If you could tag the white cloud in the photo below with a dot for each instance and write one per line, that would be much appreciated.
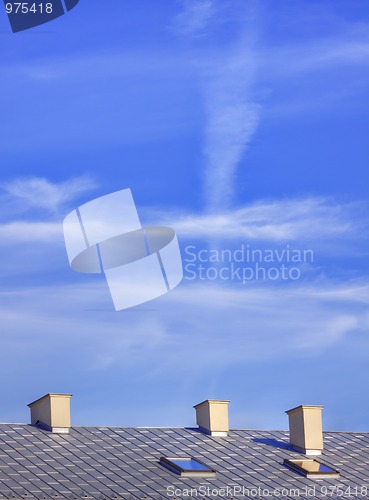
(327, 228)
(84, 66)
(226, 78)
(191, 329)
(303, 219)
(320, 55)
(228, 75)
(233, 110)
(41, 193)
(14, 233)
(232, 119)
(196, 342)
(291, 67)
(194, 17)
(276, 221)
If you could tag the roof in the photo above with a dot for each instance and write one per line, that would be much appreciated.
(123, 463)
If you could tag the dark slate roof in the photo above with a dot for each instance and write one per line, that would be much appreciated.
(123, 463)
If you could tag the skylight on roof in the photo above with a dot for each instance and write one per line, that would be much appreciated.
(311, 468)
(187, 466)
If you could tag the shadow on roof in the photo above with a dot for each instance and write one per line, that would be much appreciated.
(273, 442)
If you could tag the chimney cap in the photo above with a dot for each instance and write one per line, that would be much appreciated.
(303, 407)
(211, 401)
(50, 394)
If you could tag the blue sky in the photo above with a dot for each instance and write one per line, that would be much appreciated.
(236, 123)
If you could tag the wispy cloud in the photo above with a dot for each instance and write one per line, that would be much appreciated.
(286, 220)
(303, 219)
(232, 119)
(230, 320)
(227, 79)
(17, 232)
(38, 192)
(233, 112)
(320, 55)
(194, 16)
(331, 230)
(199, 333)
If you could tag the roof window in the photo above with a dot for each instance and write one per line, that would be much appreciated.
(187, 466)
(311, 468)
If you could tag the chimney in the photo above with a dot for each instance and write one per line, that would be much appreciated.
(52, 412)
(212, 417)
(306, 430)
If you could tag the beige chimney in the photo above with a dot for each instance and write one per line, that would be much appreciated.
(212, 417)
(306, 430)
(52, 412)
